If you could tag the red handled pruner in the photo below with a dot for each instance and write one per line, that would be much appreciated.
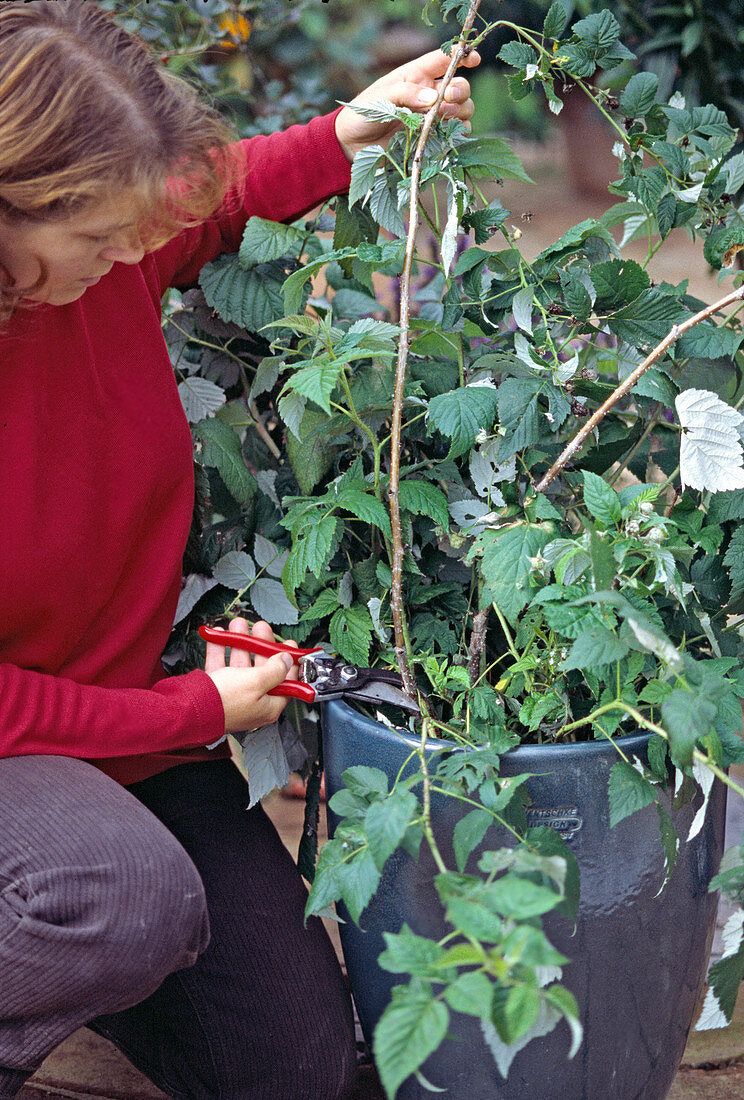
(322, 676)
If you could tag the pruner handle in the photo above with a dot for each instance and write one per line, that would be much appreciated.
(236, 640)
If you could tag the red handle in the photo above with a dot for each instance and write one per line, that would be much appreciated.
(254, 645)
(295, 689)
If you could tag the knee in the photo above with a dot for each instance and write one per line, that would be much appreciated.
(127, 919)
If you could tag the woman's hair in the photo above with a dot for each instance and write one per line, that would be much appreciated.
(86, 111)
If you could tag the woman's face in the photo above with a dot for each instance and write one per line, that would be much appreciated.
(75, 251)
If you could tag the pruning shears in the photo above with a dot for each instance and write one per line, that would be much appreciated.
(322, 675)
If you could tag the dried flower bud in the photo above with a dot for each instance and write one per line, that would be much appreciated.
(578, 409)
(589, 374)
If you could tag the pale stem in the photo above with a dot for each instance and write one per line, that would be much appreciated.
(396, 593)
(630, 381)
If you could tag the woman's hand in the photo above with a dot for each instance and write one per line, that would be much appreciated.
(243, 683)
(414, 85)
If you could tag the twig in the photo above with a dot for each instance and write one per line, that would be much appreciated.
(477, 641)
(630, 381)
(396, 593)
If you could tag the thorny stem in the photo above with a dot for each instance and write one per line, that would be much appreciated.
(477, 641)
(396, 593)
(426, 798)
(677, 331)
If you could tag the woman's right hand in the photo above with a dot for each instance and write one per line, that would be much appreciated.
(243, 683)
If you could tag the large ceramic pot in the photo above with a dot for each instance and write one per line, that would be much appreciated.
(638, 955)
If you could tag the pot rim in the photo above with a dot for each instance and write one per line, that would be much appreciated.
(629, 742)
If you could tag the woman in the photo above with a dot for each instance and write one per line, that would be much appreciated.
(136, 893)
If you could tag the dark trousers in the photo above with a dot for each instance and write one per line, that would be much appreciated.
(107, 899)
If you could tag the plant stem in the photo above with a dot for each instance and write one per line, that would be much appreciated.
(396, 593)
(426, 798)
(586, 429)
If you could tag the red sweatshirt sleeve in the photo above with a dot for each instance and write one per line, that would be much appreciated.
(281, 177)
(52, 715)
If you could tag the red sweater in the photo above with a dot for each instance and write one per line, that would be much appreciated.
(97, 491)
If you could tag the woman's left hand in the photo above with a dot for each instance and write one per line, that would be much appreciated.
(414, 85)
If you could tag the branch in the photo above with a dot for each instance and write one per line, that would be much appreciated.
(630, 381)
(396, 594)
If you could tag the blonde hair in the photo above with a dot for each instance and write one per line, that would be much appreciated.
(85, 112)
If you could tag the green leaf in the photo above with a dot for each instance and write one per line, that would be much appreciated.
(462, 413)
(265, 240)
(647, 320)
(410, 1029)
(513, 896)
(516, 1013)
(471, 993)
(310, 455)
(351, 634)
(407, 953)
(706, 341)
(507, 566)
(316, 381)
(365, 781)
(313, 548)
(363, 172)
(601, 500)
(719, 244)
(235, 570)
(596, 645)
(200, 397)
(366, 507)
(492, 156)
(725, 978)
(669, 840)
(222, 450)
(628, 791)
(421, 498)
(687, 716)
(357, 878)
(469, 832)
(352, 226)
(251, 298)
(519, 414)
(386, 824)
(517, 54)
(734, 562)
(555, 20)
(617, 282)
(666, 213)
(639, 95)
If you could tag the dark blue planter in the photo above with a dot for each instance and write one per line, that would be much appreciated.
(638, 958)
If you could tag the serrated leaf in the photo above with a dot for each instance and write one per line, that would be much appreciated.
(507, 566)
(462, 413)
(316, 381)
(421, 498)
(596, 645)
(314, 546)
(686, 716)
(363, 172)
(222, 450)
(725, 977)
(601, 500)
(235, 570)
(618, 281)
(264, 761)
(734, 562)
(555, 20)
(411, 1027)
(648, 319)
(505, 1053)
(519, 414)
(407, 953)
(265, 240)
(251, 298)
(350, 632)
(628, 791)
(270, 602)
(366, 507)
(386, 822)
(269, 556)
(721, 246)
(710, 447)
(200, 398)
(310, 455)
(194, 587)
(639, 95)
(706, 341)
(491, 156)
(469, 832)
